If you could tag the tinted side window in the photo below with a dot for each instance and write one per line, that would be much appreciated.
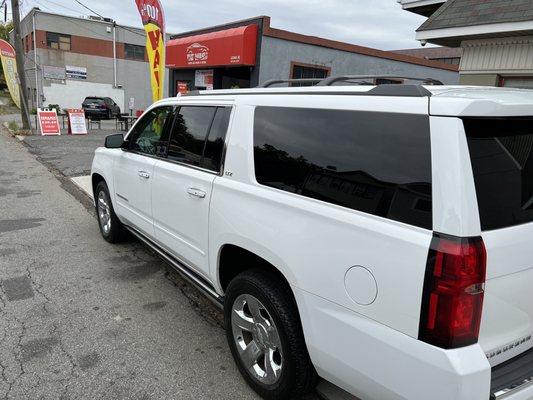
(214, 146)
(188, 136)
(501, 151)
(150, 135)
(377, 163)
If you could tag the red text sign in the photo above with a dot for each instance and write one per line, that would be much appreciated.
(48, 122)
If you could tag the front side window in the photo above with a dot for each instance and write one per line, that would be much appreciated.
(188, 136)
(150, 135)
(58, 41)
(377, 163)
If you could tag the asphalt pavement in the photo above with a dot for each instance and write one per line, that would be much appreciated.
(83, 319)
(72, 155)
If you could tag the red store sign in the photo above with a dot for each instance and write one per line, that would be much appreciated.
(236, 46)
(48, 122)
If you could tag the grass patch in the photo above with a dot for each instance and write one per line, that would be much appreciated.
(13, 126)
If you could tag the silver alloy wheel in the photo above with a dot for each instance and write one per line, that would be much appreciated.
(257, 339)
(104, 212)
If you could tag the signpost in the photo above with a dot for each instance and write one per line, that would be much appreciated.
(48, 122)
(76, 122)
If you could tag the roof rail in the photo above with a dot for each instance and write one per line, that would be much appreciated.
(273, 82)
(345, 78)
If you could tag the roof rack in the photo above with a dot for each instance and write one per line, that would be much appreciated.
(346, 78)
(273, 82)
(330, 81)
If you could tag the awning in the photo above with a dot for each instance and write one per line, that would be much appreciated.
(230, 47)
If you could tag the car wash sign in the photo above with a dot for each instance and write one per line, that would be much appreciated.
(154, 24)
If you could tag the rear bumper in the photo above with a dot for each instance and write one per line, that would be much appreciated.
(96, 113)
(372, 361)
(514, 378)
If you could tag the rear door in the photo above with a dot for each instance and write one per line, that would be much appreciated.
(183, 183)
(501, 151)
(134, 168)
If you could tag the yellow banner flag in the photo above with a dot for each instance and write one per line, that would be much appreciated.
(154, 25)
(9, 65)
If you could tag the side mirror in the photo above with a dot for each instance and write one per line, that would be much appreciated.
(114, 141)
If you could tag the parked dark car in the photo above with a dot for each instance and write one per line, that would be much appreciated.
(100, 107)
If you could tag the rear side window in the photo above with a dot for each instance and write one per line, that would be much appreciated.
(501, 151)
(377, 163)
(214, 146)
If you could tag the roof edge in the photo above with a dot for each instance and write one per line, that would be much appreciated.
(352, 48)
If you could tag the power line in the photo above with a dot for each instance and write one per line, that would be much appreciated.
(101, 16)
(73, 22)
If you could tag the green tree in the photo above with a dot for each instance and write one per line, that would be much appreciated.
(5, 29)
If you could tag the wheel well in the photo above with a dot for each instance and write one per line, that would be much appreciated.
(235, 260)
(96, 179)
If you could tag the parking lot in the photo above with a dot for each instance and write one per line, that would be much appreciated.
(70, 154)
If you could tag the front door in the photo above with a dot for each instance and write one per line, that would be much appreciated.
(183, 183)
(133, 170)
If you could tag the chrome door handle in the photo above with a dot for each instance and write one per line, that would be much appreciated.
(144, 174)
(197, 193)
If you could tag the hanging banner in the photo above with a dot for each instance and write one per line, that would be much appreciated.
(9, 65)
(154, 24)
(48, 122)
(76, 122)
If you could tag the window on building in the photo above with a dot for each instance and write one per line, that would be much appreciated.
(387, 81)
(376, 163)
(300, 71)
(134, 52)
(58, 41)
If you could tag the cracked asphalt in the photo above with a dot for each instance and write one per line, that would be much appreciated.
(83, 319)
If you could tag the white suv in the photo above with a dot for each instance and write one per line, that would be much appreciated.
(378, 237)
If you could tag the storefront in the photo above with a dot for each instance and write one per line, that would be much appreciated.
(222, 59)
(247, 53)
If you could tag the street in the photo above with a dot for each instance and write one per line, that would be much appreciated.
(81, 318)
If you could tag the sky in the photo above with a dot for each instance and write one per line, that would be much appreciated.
(380, 24)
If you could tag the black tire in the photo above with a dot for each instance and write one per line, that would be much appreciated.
(116, 232)
(298, 376)
(110, 114)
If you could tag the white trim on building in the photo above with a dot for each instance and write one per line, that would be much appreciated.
(408, 4)
(508, 27)
(512, 55)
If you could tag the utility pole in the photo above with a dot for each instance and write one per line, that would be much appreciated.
(24, 112)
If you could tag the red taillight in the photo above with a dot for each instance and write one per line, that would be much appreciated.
(453, 292)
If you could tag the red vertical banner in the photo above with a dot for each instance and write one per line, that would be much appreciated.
(153, 20)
